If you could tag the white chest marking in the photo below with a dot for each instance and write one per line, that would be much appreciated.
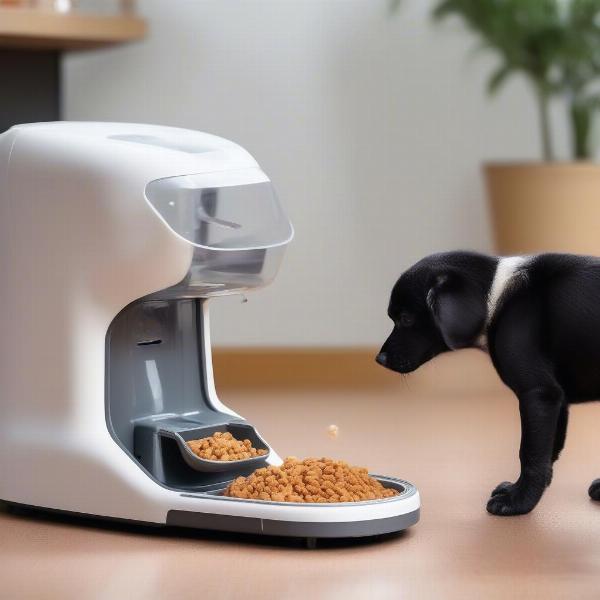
(505, 271)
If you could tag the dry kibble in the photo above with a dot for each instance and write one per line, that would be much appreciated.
(223, 446)
(309, 480)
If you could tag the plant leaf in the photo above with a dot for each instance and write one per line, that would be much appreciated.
(445, 8)
(498, 78)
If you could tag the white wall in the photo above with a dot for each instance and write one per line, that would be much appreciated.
(372, 128)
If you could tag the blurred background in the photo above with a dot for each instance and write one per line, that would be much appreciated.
(371, 117)
(371, 124)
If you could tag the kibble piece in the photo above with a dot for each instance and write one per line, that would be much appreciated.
(333, 431)
(310, 480)
(222, 446)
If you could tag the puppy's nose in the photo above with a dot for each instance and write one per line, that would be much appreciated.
(381, 358)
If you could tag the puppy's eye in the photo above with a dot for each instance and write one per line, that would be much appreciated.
(406, 320)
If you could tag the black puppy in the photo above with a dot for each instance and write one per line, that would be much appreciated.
(539, 318)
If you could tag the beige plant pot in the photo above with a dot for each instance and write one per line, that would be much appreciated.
(545, 207)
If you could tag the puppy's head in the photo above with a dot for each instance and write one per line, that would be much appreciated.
(439, 304)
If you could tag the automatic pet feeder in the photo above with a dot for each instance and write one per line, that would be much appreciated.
(112, 239)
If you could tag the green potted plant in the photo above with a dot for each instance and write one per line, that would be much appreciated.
(555, 45)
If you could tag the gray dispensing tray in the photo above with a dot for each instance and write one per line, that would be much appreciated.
(240, 431)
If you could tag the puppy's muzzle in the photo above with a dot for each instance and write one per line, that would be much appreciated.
(381, 358)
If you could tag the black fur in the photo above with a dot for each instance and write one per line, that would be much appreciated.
(543, 338)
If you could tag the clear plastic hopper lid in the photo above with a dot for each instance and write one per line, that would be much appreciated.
(234, 210)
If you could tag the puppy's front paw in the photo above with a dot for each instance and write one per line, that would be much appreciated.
(509, 499)
(502, 488)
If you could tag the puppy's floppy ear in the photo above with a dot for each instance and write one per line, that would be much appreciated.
(459, 308)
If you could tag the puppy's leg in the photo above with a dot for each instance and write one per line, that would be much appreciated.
(540, 409)
(517, 350)
(561, 432)
(559, 443)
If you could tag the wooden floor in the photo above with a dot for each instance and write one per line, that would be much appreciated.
(455, 449)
